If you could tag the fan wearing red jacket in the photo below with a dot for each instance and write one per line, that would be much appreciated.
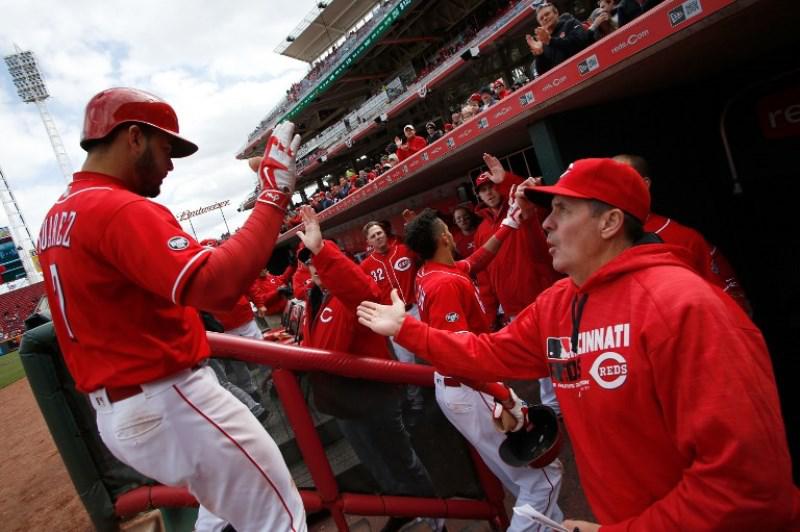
(705, 258)
(368, 413)
(411, 145)
(665, 385)
(392, 265)
(523, 268)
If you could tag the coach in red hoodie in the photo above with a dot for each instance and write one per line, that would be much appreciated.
(666, 386)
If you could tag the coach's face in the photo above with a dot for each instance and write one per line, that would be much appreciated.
(152, 164)
(573, 237)
(489, 194)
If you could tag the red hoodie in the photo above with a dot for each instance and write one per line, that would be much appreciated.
(266, 291)
(670, 402)
(523, 266)
(412, 146)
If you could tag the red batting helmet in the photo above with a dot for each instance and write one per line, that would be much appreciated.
(535, 445)
(112, 107)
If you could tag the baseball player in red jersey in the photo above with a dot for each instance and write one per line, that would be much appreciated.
(523, 268)
(124, 282)
(368, 413)
(449, 300)
(392, 265)
(466, 222)
(706, 259)
(268, 298)
(665, 385)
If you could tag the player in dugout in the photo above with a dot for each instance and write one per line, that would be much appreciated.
(369, 413)
(665, 385)
(124, 283)
(449, 300)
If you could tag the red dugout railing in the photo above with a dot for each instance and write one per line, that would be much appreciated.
(285, 361)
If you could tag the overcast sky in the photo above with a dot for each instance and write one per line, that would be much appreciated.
(212, 61)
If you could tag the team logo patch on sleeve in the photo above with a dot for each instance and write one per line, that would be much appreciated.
(451, 317)
(177, 243)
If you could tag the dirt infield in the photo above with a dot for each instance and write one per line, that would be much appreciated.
(35, 491)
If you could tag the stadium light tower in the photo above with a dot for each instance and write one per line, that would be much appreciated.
(19, 230)
(31, 88)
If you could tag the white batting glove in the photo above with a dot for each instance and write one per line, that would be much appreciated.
(514, 212)
(277, 172)
(510, 419)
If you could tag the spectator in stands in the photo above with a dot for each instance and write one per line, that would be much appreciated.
(467, 112)
(464, 233)
(410, 145)
(434, 133)
(500, 90)
(705, 258)
(456, 119)
(557, 39)
(602, 20)
(368, 413)
(487, 98)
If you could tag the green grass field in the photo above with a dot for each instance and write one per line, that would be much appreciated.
(10, 369)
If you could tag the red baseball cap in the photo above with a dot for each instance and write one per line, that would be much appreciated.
(476, 97)
(483, 179)
(605, 180)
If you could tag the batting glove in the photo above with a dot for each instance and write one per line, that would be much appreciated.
(514, 212)
(510, 419)
(277, 172)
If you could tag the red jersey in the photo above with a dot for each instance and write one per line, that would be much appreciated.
(265, 291)
(394, 269)
(448, 298)
(523, 267)
(415, 144)
(706, 259)
(240, 314)
(301, 281)
(115, 267)
(465, 244)
(666, 388)
(334, 326)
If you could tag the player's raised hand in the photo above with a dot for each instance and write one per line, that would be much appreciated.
(277, 170)
(514, 213)
(385, 320)
(495, 167)
(311, 234)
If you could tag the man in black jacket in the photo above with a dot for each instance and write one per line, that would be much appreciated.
(557, 38)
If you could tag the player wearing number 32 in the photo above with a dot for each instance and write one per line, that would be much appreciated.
(665, 385)
(124, 282)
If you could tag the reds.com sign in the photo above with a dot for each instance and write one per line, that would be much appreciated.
(185, 215)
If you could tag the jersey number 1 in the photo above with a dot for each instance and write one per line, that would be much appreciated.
(61, 301)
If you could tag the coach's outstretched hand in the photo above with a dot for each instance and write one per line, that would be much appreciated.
(385, 320)
(277, 170)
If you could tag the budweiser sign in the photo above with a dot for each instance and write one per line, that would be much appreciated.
(188, 213)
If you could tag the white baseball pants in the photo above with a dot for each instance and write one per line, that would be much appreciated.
(186, 430)
(471, 413)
